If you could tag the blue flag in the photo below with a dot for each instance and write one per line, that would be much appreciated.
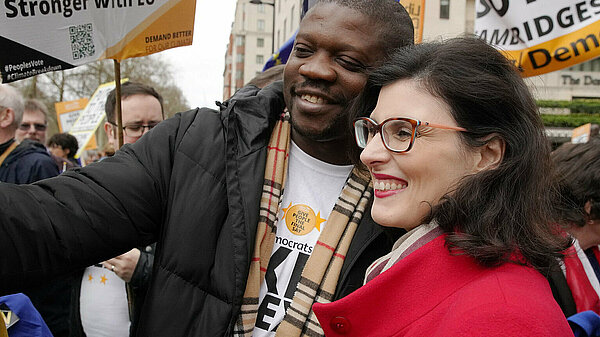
(24, 319)
(282, 55)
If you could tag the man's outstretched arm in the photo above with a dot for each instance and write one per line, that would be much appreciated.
(88, 215)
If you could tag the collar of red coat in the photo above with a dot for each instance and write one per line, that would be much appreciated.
(415, 272)
(408, 290)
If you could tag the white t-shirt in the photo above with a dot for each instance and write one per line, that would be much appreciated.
(103, 304)
(311, 191)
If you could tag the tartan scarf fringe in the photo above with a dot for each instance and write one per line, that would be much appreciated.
(275, 171)
(321, 273)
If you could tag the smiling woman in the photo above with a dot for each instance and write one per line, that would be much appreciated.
(460, 162)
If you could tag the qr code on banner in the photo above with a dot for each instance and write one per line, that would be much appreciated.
(82, 43)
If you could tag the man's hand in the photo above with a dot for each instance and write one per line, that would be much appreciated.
(124, 265)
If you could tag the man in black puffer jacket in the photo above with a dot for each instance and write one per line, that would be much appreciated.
(194, 182)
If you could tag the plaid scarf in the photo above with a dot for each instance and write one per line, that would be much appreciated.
(321, 272)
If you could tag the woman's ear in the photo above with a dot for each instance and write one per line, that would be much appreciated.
(491, 153)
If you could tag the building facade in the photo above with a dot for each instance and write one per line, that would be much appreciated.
(442, 19)
(254, 36)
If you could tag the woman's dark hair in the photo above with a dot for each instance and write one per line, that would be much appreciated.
(65, 141)
(494, 213)
(577, 173)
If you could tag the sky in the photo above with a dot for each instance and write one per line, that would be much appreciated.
(198, 69)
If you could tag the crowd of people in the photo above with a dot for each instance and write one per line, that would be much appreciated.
(381, 189)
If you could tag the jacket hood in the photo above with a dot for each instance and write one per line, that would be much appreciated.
(26, 147)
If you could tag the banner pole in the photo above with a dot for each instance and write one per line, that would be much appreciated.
(118, 102)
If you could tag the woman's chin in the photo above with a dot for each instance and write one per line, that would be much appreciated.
(388, 221)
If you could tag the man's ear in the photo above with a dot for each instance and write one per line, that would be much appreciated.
(7, 117)
(490, 155)
(587, 208)
(109, 130)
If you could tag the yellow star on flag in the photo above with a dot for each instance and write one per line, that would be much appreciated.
(103, 280)
(90, 278)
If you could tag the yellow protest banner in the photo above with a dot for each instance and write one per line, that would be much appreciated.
(541, 36)
(67, 113)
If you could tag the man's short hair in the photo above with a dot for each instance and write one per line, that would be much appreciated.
(66, 141)
(129, 89)
(577, 174)
(395, 25)
(11, 98)
(33, 104)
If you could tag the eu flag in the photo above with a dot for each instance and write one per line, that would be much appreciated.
(282, 55)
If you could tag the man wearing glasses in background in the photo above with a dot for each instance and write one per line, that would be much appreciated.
(141, 108)
(34, 124)
(112, 293)
(23, 133)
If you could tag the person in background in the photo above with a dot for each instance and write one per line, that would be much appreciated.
(142, 109)
(112, 293)
(64, 145)
(34, 123)
(108, 150)
(208, 185)
(577, 173)
(458, 157)
(24, 162)
(91, 156)
(34, 126)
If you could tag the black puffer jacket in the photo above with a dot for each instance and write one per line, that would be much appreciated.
(193, 184)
